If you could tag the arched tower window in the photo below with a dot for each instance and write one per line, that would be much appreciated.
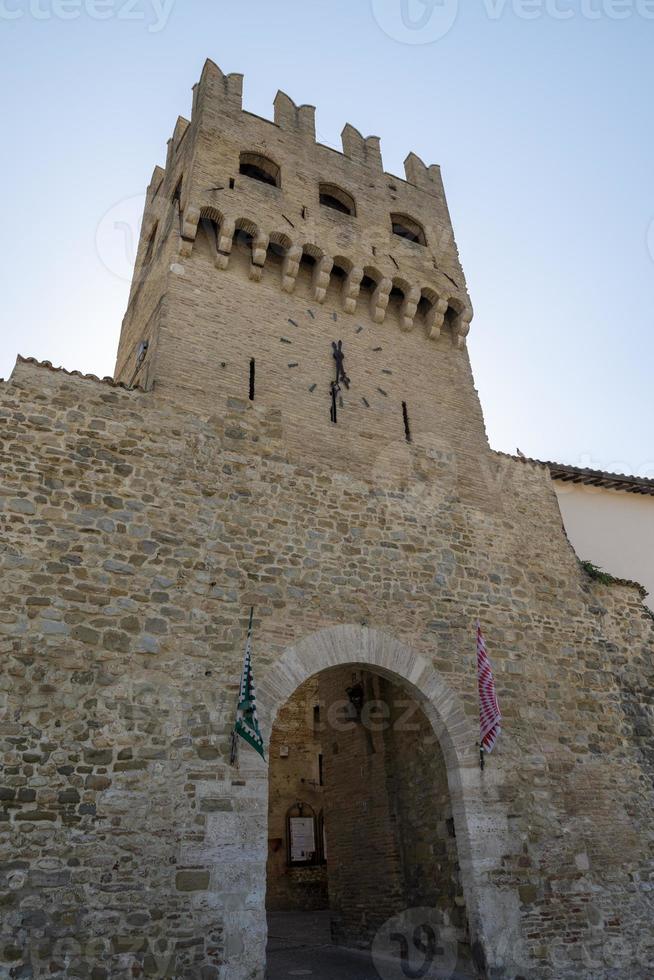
(337, 199)
(408, 228)
(260, 168)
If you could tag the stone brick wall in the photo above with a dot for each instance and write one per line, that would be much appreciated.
(134, 539)
(366, 885)
(215, 326)
(295, 747)
(418, 785)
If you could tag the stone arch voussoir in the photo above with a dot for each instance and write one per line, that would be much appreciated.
(345, 645)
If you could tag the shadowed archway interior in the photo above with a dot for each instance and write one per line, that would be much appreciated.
(360, 821)
(477, 811)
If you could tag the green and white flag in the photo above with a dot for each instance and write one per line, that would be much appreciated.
(247, 723)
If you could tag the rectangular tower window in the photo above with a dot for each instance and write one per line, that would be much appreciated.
(252, 378)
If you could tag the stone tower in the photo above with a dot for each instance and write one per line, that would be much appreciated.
(261, 247)
(293, 425)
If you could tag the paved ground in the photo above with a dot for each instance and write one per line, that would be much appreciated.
(299, 945)
(321, 963)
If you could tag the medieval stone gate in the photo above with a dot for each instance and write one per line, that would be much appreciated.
(294, 426)
(477, 807)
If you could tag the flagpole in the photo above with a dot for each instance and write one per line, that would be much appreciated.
(233, 756)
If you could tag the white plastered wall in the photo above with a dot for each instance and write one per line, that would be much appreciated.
(611, 528)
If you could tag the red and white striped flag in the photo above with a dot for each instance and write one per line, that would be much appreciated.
(489, 710)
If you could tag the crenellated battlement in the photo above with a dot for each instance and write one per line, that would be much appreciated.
(219, 94)
(268, 182)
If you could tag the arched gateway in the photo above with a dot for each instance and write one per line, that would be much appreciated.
(293, 425)
(480, 826)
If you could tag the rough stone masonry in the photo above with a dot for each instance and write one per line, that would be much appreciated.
(142, 516)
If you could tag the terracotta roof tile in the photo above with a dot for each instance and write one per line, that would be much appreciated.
(76, 374)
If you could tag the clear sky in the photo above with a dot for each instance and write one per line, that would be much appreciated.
(539, 112)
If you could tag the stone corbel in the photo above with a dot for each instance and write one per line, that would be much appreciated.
(259, 252)
(461, 330)
(321, 274)
(190, 222)
(410, 308)
(351, 289)
(225, 241)
(260, 248)
(291, 267)
(380, 299)
(435, 318)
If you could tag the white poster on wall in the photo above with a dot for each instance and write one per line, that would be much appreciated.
(303, 839)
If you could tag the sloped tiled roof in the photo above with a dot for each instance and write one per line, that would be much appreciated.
(593, 478)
